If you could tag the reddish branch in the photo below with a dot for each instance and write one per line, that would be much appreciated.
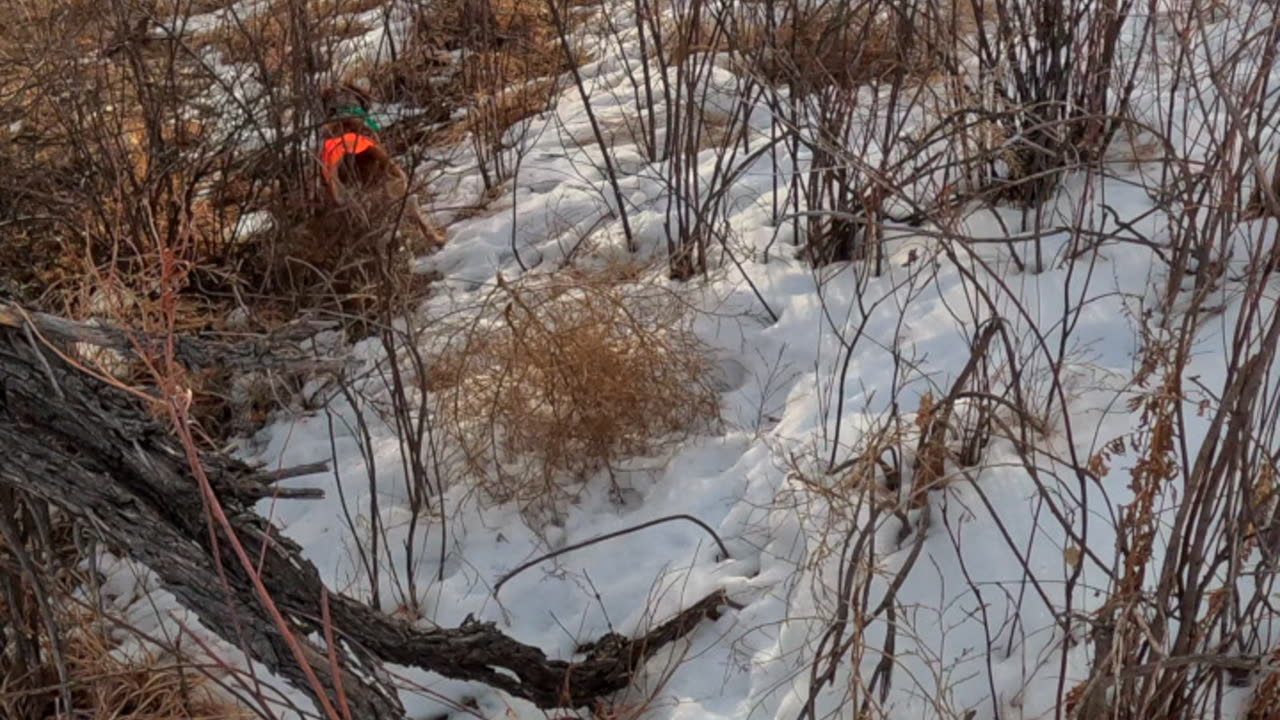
(72, 439)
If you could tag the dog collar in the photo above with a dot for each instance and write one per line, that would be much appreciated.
(359, 112)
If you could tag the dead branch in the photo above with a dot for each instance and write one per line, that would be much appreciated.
(281, 350)
(91, 448)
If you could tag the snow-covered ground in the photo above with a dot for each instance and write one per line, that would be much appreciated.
(813, 365)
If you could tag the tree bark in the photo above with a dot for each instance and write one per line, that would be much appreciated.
(91, 448)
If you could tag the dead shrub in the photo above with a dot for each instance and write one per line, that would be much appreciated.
(170, 8)
(845, 44)
(100, 680)
(151, 687)
(1265, 703)
(354, 259)
(1258, 205)
(561, 378)
(107, 163)
(499, 43)
(262, 37)
(272, 37)
(489, 115)
(130, 192)
(477, 68)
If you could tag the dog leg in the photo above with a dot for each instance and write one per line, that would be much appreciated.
(331, 189)
(430, 233)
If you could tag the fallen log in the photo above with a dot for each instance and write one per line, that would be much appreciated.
(284, 349)
(72, 439)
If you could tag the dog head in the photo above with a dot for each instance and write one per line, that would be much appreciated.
(337, 102)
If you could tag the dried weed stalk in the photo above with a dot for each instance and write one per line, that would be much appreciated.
(560, 378)
(59, 650)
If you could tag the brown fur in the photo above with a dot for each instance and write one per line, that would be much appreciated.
(376, 178)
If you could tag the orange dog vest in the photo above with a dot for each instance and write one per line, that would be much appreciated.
(336, 148)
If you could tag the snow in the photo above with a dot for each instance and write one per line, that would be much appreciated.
(149, 622)
(992, 547)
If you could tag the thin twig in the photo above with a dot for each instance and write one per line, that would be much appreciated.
(724, 551)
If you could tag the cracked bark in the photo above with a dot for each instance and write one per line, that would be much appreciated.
(70, 439)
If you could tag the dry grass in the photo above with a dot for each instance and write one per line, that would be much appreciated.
(508, 61)
(355, 260)
(1257, 205)
(108, 223)
(108, 183)
(102, 682)
(1265, 703)
(563, 377)
(269, 36)
(716, 128)
(81, 166)
(824, 44)
(113, 174)
(169, 8)
(491, 114)
(335, 8)
(76, 224)
(103, 685)
(500, 43)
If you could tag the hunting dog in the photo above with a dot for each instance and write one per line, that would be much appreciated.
(356, 167)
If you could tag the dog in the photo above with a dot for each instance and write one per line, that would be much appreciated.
(352, 159)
